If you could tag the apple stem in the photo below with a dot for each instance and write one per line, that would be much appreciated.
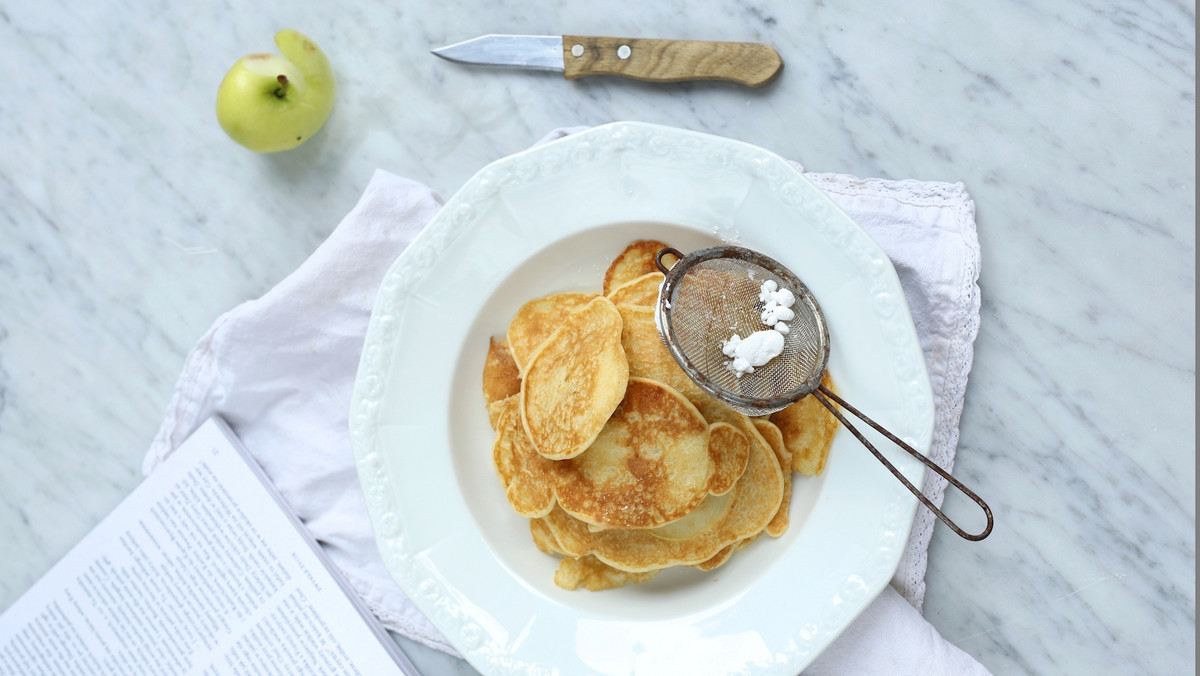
(281, 90)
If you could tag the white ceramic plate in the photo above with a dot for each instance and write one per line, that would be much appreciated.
(551, 219)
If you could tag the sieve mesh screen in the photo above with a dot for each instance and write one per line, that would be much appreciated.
(713, 297)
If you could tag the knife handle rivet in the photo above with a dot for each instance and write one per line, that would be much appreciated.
(623, 52)
(577, 51)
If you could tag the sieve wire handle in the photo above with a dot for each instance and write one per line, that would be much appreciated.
(824, 395)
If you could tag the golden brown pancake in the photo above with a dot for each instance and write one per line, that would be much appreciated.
(587, 571)
(717, 559)
(808, 429)
(594, 575)
(649, 465)
(501, 378)
(574, 381)
(774, 438)
(522, 471)
(493, 411)
(642, 291)
(648, 357)
(716, 412)
(755, 499)
(729, 450)
(722, 556)
(707, 514)
(537, 319)
(636, 260)
(543, 537)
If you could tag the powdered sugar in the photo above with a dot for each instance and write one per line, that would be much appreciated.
(777, 306)
(756, 349)
(761, 347)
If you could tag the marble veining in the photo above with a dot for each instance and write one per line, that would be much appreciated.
(129, 223)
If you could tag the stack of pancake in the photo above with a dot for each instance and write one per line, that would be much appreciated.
(623, 465)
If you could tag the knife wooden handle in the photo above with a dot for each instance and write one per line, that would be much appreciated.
(652, 60)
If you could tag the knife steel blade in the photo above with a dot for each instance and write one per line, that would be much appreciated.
(647, 59)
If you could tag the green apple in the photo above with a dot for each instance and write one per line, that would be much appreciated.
(269, 102)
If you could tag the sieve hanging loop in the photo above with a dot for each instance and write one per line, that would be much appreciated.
(658, 259)
(717, 293)
(824, 395)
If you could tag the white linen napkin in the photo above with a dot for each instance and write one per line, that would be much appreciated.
(280, 370)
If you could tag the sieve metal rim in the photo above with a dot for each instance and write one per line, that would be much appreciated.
(662, 316)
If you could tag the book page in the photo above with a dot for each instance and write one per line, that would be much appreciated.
(198, 571)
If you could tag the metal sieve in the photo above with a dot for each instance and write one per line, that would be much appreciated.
(712, 294)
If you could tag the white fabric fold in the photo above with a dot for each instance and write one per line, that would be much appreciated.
(281, 370)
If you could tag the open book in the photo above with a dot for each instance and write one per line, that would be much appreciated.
(203, 569)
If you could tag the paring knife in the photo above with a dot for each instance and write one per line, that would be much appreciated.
(651, 60)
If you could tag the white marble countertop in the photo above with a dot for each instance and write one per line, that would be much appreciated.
(130, 222)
